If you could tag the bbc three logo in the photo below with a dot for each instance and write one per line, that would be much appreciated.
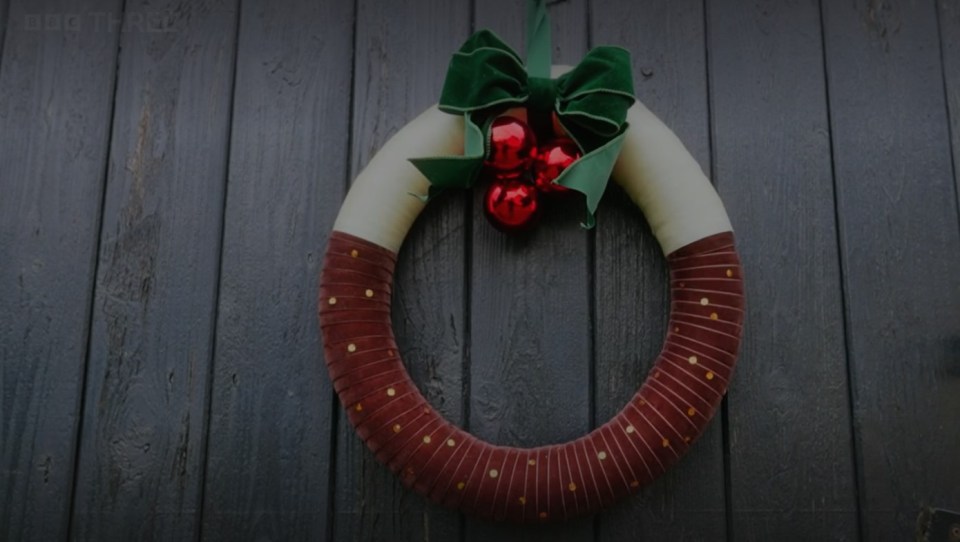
(99, 21)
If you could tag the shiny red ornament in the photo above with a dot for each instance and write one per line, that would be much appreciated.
(511, 205)
(512, 147)
(552, 158)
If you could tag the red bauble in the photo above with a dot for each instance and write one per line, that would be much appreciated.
(511, 205)
(552, 158)
(512, 147)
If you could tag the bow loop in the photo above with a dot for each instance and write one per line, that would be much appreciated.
(595, 95)
(484, 73)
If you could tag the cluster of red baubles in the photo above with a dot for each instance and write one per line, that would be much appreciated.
(520, 171)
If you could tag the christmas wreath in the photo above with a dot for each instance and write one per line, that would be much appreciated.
(592, 130)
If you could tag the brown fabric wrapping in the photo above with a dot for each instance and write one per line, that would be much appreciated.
(549, 483)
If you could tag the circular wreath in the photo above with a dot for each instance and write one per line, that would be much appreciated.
(548, 483)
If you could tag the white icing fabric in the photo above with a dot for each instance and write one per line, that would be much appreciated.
(654, 168)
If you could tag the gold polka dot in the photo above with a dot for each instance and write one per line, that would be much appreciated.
(426, 439)
(396, 428)
(601, 456)
(426, 410)
(642, 402)
(714, 316)
(461, 485)
(359, 407)
(522, 500)
(709, 375)
(666, 442)
(693, 360)
(656, 374)
(532, 462)
(354, 253)
(704, 301)
(676, 330)
(635, 483)
(543, 515)
(451, 443)
(572, 486)
(686, 439)
(391, 392)
(729, 272)
(369, 293)
(332, 301)
(494, 473)
(681, 285)
(630, 429)
(691, 411)
(351, 347)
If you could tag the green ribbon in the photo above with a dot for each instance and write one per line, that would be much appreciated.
(486, 77)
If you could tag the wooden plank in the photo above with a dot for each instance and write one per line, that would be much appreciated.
(402, 51)
(271, 420)
(788, 409)
(139, 471)
(56, 90)
(900, 244)
(667, 45)
(4, 16)
(531, 353)
(949, 19)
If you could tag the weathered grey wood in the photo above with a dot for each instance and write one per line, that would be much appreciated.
(271, 424)
(140, 464)
(667, 45)
(949, 19)
(900, 255)
(4, 15)
(56, 89)
(791, 458)
(402, 51)
(531, 354)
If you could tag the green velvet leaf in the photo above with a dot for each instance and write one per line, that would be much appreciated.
(590, 174)
(454, 171)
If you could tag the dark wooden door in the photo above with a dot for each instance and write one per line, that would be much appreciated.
(169, 172)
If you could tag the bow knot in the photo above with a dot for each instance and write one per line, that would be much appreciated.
(542, 94)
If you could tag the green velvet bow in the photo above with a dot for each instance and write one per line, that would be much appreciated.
(486, 77)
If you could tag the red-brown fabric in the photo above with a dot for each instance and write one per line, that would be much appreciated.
(549, 483)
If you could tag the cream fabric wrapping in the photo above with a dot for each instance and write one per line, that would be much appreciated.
(654, 168)
(668, 185)
(379, 206)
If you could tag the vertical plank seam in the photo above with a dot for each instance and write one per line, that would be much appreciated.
(946, 105)
(466, 384)
(591, 275)
(92, 287)
(208, 400)
(711, 152)
(592, 295)
(467, 276)
(347, 178)
(851, 388)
